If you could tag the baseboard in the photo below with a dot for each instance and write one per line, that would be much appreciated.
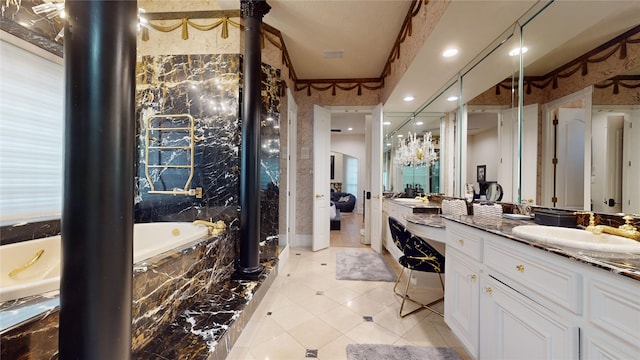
(302, 241)
(283, 256)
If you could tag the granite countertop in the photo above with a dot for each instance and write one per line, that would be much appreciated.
(629, 267)
(433, 220)
(429, 204)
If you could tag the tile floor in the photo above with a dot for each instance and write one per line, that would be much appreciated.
(307, 313)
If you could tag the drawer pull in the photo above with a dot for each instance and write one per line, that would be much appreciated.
(461, 241)
(488, 290)
(520, 268)
(473, 277)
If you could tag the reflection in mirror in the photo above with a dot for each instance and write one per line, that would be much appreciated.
(436, 118)
(578, 57)
(412, 156)
(616, 131)
(491, 138)
(494, 192)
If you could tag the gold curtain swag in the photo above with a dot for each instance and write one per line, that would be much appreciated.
(185, 23)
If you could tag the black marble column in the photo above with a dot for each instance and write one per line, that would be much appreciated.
(248, 265)
(97, 218)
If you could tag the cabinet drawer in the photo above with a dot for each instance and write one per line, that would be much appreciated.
(541, 280)
(615, 308)
(465, 239)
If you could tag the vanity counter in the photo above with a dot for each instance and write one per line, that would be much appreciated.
(503, 227)
(427, 226)
(430, 207)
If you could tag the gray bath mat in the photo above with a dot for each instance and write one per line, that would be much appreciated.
(391, 352)
(357, 264)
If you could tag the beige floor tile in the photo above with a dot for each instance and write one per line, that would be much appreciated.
(320, 282)
(372, 333)
(403, 342)
(425, 333)
(250, 330)
(447, 335)
(390, 319)
(291, 317)
(342, 318)
(240, 353)
(342, 294)
(267, 330)
(314, 333)
(335, 350)
(365, 306)
(281, 347)
(301, 318)
(383, 294)
(319, 304)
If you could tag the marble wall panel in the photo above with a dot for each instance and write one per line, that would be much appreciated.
(207, 88)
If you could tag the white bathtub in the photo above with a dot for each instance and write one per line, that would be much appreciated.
(149, 239)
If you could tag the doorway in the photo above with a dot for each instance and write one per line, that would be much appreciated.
(567, 152)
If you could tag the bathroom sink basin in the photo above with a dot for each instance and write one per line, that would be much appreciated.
(578, 239)
(408, 201)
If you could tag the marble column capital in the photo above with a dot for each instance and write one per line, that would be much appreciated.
(254, 8)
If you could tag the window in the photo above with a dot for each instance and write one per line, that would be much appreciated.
(351, 175)
(31, 135)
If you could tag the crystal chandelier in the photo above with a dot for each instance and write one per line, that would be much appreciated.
(415, 151)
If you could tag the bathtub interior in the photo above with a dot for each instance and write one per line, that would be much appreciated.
(150, 239)
(41, 276)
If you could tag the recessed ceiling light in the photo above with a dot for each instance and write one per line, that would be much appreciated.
(452, 98)
(408, 98)
(399, 135)
(517, 51)
(419, 123)
(349, 129)
(269, 118)
(386, 123)
(450, 52)
(388, 144)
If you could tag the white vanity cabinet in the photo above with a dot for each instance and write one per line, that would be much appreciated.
(463, 266)
(461, 304)
(515, 327)
(508, 300)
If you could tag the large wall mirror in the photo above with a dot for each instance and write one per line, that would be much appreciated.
(416, 151)
(490, 148)
(569, 141)
(589, 100)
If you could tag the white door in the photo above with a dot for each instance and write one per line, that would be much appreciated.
(375, 181)
(613, 159)
(570, 155)
(321, 164)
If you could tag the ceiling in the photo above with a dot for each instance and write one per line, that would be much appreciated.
(365, 31)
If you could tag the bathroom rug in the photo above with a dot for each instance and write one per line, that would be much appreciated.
(392, 352)
(362, 264)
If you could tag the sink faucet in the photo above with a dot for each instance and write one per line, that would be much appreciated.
(214, 228)
(627, 230)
